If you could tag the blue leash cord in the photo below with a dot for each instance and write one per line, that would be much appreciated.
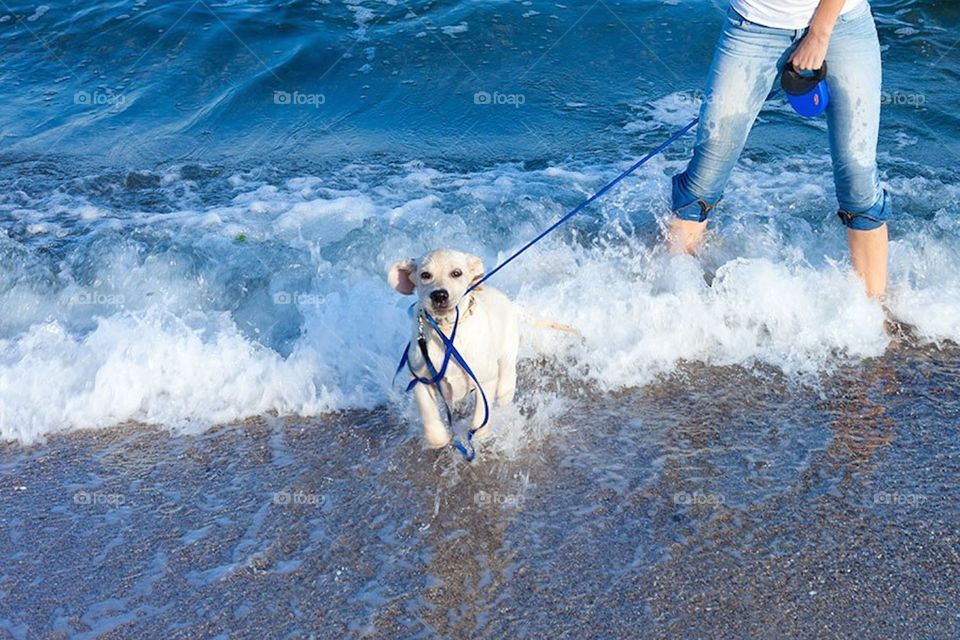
(577, 209)
(435, 376)
(450, 351)
(580, 207)
(466, 449)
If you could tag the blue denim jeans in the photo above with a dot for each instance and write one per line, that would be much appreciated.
(746, 67)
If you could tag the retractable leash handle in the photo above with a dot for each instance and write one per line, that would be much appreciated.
(807, 92)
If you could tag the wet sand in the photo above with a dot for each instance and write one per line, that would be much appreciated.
(718, 503)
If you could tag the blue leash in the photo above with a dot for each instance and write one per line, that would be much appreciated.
(466, 449)
(577, 209)
(450, 351)
(580, 207)
(435, 376)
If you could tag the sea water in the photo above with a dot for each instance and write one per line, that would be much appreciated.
(199, 205)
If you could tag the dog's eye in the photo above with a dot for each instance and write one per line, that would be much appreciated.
(426, 275)
(456, 273)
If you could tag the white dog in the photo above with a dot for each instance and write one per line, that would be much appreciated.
(488, 335)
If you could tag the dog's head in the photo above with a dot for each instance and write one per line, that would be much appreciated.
(440, 278)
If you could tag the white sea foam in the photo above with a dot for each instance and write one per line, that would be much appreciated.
(188, 326)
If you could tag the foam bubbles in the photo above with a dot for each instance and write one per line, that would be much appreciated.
(152, 368)
(275, 301)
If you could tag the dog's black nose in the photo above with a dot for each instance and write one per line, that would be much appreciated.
(440, 296)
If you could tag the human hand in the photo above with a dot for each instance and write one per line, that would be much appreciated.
(811, 52)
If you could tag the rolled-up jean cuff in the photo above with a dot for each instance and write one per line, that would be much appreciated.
(687, 205)
(872, 218)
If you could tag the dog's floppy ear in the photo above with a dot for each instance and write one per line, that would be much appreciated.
(400, 276)
(475, 265)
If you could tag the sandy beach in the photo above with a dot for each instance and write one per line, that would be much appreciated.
(760, 509)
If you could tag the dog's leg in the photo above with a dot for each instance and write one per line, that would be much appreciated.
(434, 431)
(507, 379)
(478, 414)
(507, 362)
(507, 367)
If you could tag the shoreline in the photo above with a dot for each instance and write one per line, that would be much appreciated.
(754, 509)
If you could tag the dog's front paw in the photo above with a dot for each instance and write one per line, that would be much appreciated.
(482, 433)
(436, 436)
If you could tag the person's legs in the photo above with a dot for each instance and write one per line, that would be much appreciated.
(741, 76)
(853, 79)
(868, 253)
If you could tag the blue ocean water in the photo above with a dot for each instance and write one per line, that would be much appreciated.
(198, 433)
(200, 200)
